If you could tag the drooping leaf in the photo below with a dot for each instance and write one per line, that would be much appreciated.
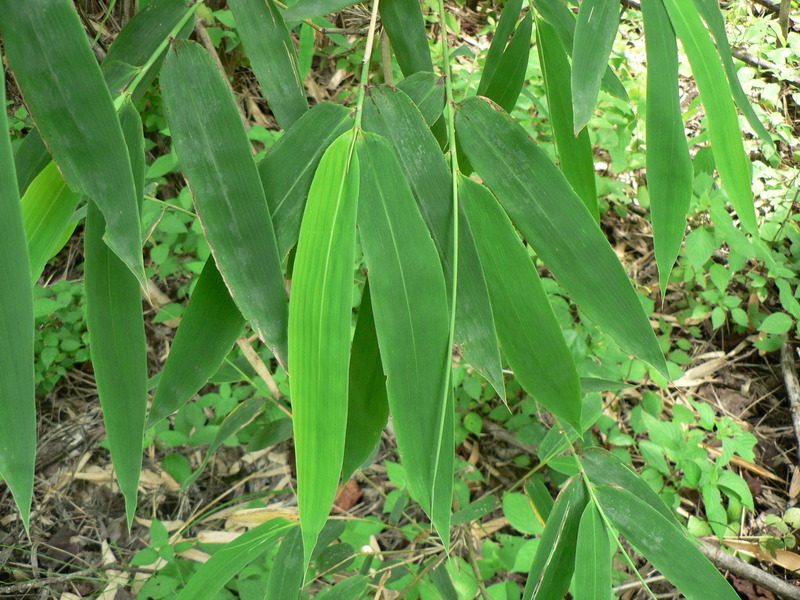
(209, 328)
(669, 166)
(368, 408)
(67, 97)
(212, 576)
(666, 546)
(307, 9)
(391, 114)
(116, 334)
(47, 208)
(212, 146)
(17, 400)
(30, 157)
(286, 576)
(723, 123)
(427, 92)
(554, 560)
(556, 224)
(505, 27)
(574, 152)
(592, 579)
(319, 333)
(509, 78)
(561, 17)
(287, 170)
(272, 56)
(411, 320)
(595, 30)
(526, 326)
(406, 29)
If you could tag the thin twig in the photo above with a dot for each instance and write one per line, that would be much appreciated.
(792, 388)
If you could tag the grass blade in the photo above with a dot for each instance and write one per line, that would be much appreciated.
(592, 579)
(595, 30)
(308, 9)
(574, 152)
(211, 322)
(526, 326)
(319, 333)
(214, 153)
(287, 170)
(18, 401)
(723, 122)
(65, 92)
(664, 545)
(507, 83)
(273, 58)
(669, 166)
(116, 335)
(505, 27)
(411, 317)
(557, 224)
(368, 408)
(406, 29)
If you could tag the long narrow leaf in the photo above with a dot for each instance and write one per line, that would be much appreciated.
(406, 28)
(319, 333)
(308, 9)
(593, 558)
(557, 224)
(215, 155)
(507, 83)
(286, 576)
(595, 30)
(17, 401)
(669, 167)
(272, 56)
(411, 316)
(427, 92)
(505, 27)
(526, 326)
(30, 157)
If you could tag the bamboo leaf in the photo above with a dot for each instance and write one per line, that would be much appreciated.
(664, 545)
(18, 401)
(307, 9)
(526, 326)
(507, 83)
(30, 157)
(505, 27)
(557, 225)
(368, 408)
(287, 170)
(65, 92)
(272, 56)
(406, 29)
(47, 208)
(214, 152)
(592, 579)
(116, 335)
(319, 333)
(554, 560)
(212, 576)
(391, 114)
(723, 123)
(411, 317)
(427, 92)
(574, 152)
(669, 167)
(595, 30)
(286, 577)
(351, 588)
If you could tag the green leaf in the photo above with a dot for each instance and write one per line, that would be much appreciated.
(391, 114)
(287, 170)
(776, 323)
(664, 544)
(273, 58)
(406, 29)
(65, 92)
(211, 323)
(723, 122)
(215, 155)
(18, 401)
(411, 320)
(427, 92)
(505, 27)
(30, 157)
(507, 82)
(319, 333)
(592, 579)
(116, 334)
(557, 225)
(595, 30)
(368, 408)
(526, 326)
(351, 588)
(307, 9)
(519, 512)
(669, 166)
(212, 576)
(286, 575)
(574, 152)
(47, 209)
(554, 561)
